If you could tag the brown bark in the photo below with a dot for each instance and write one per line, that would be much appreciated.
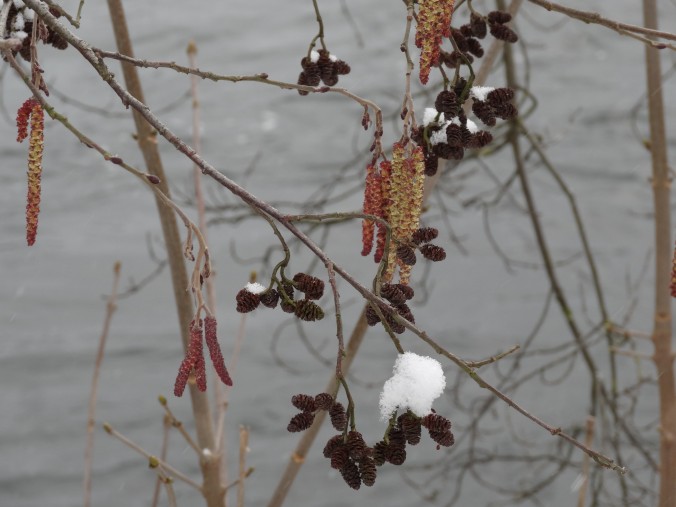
(213, 490)
(661, 337)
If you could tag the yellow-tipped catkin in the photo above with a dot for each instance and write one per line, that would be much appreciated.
(404, 202)
(434, 23)
(36, 141)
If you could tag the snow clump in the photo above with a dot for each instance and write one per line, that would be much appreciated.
(416, 382)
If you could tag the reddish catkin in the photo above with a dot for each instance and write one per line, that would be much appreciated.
(31, 109)
(372, 206)
(190, 360)
(434, 22)
(211, 337)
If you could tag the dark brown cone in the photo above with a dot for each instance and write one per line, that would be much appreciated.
(312, 287)
(396, 327)
(499, 17)
(338, 416)
(333, 443)
(396, 455)
(287, 307)
(499, 96)
(350, 473)
(397, 437)
(288, 289)
(424, 235)
(312, 74)
(308, 311)
(502, 32)
(506, 111)
(444, 438)
(246, 301)
(303, 402)
(392, 293)
(484, 112)
(433, 252)
(446, 102)
(406, 255)
(56, 40)
(302, 80)
(332, 80)
(460, 86)
(323, 401)
(270, 298)
(380, 453)
(431, 163)
(454, 135)
(448, 152)
(466, 30)
(460, 39)
(341, 68)
(436, 423)
(306, 61)
(478, 24)
(480, 139)
(371, 316)
(417, 135)
(300, 422)
(475, 47)
(367, 469)
(339, 456)
(406, 289)
(411, 427)
(405, 312)
(356, 445)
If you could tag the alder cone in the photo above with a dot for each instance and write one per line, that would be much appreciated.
(446, 102)
(499, 17)
(338, 416)
(332, 444)
(433, 252)
(371, 316)
(406, 289)
(502, 32)
(339, 457)
(478, 24)
(300, 422)
(380, 453)
(367, 469)
(424, 235)
(308, 311)
(350, 473)
(356, 445)
(247, 301)
(303, 402)
(270, 298)
(406, 255)
(392, 293)
(324, 401)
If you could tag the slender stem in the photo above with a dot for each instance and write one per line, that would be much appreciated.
(243, 450)
(493, 359)
(320, 22)
(589, 438)
(111, 306)
(166, 427)
(662, 328)
(154, 461)
(179, 425)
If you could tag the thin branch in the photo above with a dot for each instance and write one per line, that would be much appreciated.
(596, 19)
(111, 306)
(153, 461)
(179, 425)
(492, 359)
(243, 450)
(166, 426)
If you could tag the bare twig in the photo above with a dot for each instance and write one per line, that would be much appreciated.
(178, 425)
(243, 450)
(589, 438)
(492, 359)
(91, 411)
(166, 426)
(153, 461)
(597, 19)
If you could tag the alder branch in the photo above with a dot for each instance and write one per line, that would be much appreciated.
(621, 28)
(129, 100)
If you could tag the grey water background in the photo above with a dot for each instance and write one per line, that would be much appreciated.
(586, 80)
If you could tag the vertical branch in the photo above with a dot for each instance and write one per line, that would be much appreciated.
(243, 449)
(589, 438)
(213, 490)
(166, 426)
(661, 337)
(89, 446)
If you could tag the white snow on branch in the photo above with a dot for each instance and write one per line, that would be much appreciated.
(430, 115)
(416, 382)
